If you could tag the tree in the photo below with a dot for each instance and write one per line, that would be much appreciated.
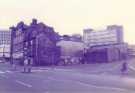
(76, 37)
(66, 37)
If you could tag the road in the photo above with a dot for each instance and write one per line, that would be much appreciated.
(60, 80)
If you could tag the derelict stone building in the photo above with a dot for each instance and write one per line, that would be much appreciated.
(36, 41)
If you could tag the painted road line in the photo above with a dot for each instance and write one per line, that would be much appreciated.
(24, 84)
(132, 68)
(83, 84)
(100, 87)
(8, 71)
(60, 69)
(59, 80)
(1, 72)
(89, 85)
(44, 68)
(39, 70)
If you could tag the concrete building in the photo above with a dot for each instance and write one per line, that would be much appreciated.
(70, 48)
(113, 34)
(105, 45)
(107, 53)
(131, 50)
(71, 51)
(5, 40)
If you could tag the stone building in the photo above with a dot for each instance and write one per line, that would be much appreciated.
(37, 41)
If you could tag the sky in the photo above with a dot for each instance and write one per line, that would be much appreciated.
(71, 16)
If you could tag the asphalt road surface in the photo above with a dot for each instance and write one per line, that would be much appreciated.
(60, 80)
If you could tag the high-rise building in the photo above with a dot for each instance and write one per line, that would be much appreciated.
(5, 40)
(106, 45)
(113, 34)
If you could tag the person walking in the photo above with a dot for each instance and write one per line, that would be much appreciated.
(14, 66)
(25, 65)
(124, 68)
(29, 65)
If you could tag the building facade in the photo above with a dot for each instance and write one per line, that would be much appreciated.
(131, 50)
(70, 48)
(113, 34)
(107, 53)
(5, 40)
(36, 41)
(71, 51)
(105, 45)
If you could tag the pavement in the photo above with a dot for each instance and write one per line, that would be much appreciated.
(87, 78)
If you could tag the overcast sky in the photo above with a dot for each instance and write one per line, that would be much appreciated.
(71, 16)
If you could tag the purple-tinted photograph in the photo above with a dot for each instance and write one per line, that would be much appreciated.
(67, 46)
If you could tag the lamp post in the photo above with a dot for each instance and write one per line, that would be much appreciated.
(4, 53)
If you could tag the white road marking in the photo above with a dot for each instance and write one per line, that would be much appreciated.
(1, 72)
(63, 69)
(83, 84)
(132, 68)
(59, 80)
(89, 85)
(39, 70)
(44, 68)
(102, 87)
(24, 84)
(8, 71)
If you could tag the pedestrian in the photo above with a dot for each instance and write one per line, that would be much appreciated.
(124, 68)
(14, 66)
(65, 61)
(29, 65)
(25, 65)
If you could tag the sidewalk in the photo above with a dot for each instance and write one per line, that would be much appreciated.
(112, 68)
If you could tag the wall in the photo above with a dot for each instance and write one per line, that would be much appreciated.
(70, 48)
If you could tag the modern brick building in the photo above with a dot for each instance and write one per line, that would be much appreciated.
(36, 41)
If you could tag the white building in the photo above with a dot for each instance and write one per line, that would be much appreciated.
(131, 50)
(5, 49)
(105, 45)
(113, 34)
(70, 48)
(5, 40)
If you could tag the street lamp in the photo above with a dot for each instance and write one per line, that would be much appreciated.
(4, 53)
